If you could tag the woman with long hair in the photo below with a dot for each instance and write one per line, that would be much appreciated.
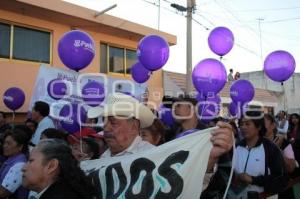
(294, 130)
(54, 173)
(283, 144)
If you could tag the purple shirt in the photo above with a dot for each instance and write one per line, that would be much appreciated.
(11, 175)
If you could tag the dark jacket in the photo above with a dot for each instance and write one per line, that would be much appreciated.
(59, 190)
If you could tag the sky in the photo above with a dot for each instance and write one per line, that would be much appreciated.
(279, 28)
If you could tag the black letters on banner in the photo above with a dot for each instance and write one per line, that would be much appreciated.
(147, 187)
(110, 181)
(94, 176)
(175, 180)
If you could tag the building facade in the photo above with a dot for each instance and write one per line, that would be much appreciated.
(30, 31)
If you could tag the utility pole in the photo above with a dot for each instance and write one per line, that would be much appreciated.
(189, 9)
(189, 38)
(158, 23)
(261, 52)
(260, 41)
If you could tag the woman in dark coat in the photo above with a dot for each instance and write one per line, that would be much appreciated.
(54, 173)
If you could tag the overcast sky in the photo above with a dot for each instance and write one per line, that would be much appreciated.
(280, 27)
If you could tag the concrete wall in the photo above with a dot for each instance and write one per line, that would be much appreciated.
(288, 94)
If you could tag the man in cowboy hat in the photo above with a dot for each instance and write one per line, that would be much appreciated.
(123, 118)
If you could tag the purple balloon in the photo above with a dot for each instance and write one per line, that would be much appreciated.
(233, 109)
(242, 91)
(237, 109)
(57, 89)
(13, 98)
(279, 65)
(153, 52)
(166, 116)
(139, 73)
(220, 40)
(209, 76)
(76, 49)
(93, 93)
(187, 132)
(72, 118)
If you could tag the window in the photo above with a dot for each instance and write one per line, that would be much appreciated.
(131, 58)
(4, 40)
(116, 60)
(27, 44)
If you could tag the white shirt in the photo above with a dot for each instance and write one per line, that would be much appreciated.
(45, 123)
(136, 146)
(283, 127)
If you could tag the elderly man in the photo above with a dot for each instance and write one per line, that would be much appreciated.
(124, 116)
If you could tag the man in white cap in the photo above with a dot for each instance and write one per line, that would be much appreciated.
(123, 118)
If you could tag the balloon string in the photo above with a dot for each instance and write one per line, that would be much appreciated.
(231, 172)
(284, 98)
(203, 109)
(13, 119)
(80, 140)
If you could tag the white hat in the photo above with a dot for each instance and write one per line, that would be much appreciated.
(119, 104)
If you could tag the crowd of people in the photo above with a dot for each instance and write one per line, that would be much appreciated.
(39, 160)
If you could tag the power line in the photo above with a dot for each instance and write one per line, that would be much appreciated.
(206, 28)
(256, 34)
(168, 1)
(283, 20)
(205, 18)
(267, 9)
(170, 10)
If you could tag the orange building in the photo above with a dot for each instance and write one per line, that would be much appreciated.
(30, 31)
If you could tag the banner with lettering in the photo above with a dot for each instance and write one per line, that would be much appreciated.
(75, 82)
(173, 170)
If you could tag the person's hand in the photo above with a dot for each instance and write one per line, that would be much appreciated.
(244, 178)
(222, 140)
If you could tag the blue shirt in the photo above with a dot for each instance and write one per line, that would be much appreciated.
(44, 124)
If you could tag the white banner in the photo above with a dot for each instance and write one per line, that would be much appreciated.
(75, 81)
(173, 170)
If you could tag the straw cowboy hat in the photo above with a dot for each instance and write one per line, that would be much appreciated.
(123, 105)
